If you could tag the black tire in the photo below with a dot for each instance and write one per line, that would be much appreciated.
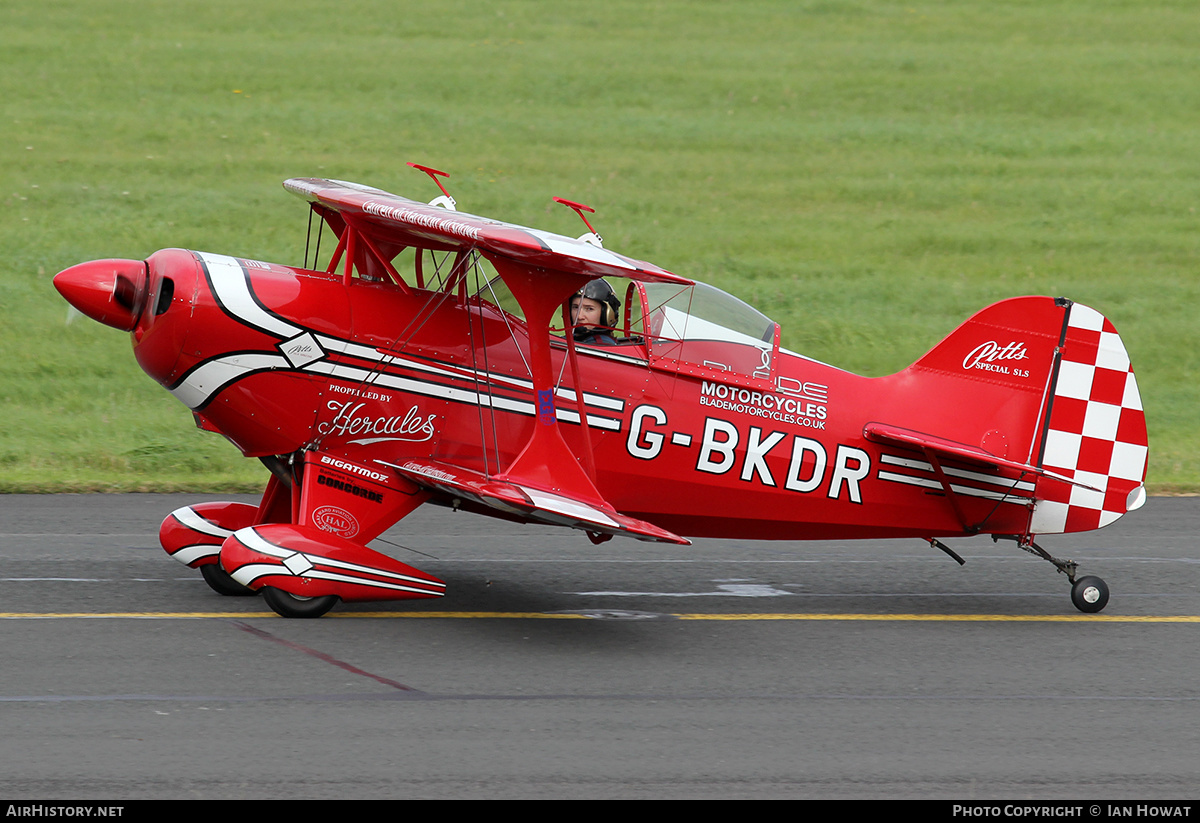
(289, 605)
(220, 582)
(1089, 594)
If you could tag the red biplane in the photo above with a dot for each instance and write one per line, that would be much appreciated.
(432, 361)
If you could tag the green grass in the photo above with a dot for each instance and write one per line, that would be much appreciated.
(867, 173)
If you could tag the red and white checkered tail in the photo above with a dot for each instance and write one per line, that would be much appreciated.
(1095, 431)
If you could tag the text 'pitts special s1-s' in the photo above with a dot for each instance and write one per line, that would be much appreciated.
(433, 360)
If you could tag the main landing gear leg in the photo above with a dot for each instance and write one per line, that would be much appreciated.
(1089, 594)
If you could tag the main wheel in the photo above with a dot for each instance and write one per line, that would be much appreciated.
(1089, 594)
(221, 582)
(290, 605)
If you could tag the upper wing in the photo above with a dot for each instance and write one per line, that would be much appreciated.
(400, 221)
(545, 481)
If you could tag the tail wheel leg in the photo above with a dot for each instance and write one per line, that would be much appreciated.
(1089, 594)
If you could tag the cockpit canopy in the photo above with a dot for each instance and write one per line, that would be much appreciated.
(702, 330)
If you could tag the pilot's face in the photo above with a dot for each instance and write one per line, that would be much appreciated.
(585, 311)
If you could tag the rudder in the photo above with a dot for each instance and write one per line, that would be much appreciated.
(1095, 433)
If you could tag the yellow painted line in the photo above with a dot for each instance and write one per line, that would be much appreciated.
(953, 618)
(802, 617)
(484, 615)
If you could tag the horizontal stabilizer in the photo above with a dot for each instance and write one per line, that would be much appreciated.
(907, 438)
(529, 502)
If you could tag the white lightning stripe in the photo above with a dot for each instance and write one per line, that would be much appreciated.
(231, 287)
(251, 573)
(420, 387)
(201, 383)
(229, 283)
(592, 399)
(605, 352)
(233, 290)
(368, 353)
(253, 540)
(189, 554)
(188, 517)
(571, 416)
(318, 574)
(965, 490)
(921, 465)
(411, 386)
(318, 560)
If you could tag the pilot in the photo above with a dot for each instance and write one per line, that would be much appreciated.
(594, 312)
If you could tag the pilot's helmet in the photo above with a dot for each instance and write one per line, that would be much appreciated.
(602, 293)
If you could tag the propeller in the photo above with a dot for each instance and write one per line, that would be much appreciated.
(130, 294)
(112, 291)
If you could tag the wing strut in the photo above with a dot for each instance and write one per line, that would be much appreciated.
(546, 461)
(348, 246)
(589, 458)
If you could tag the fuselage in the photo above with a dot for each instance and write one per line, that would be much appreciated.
(280, 359)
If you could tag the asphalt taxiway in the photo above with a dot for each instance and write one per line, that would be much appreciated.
(555, 668)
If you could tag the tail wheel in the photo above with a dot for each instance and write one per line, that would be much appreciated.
(1089, 594)
(286, 604)
(220, 582)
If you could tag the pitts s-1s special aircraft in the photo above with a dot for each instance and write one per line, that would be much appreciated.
(434, 361)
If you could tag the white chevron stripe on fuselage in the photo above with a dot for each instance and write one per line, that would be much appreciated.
(232, 289)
